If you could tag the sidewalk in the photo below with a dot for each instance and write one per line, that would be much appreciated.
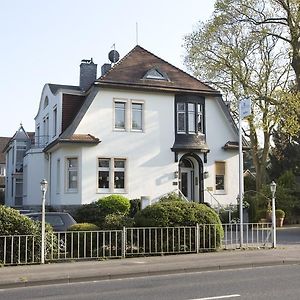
(21, 276)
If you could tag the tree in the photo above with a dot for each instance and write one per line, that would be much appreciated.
(282, 15)
(285, 156)
(243, 62)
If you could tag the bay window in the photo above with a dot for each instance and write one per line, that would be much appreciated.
(189, 117)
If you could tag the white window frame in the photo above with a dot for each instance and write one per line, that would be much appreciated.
(104, 169)
(220, 191)
(67, 174)
(191, 114)
(142, 103)
(54, 121)
(46, 130)
(111, 169)
(177, 118)
(124, 101)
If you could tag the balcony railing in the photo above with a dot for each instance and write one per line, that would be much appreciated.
(39, 142)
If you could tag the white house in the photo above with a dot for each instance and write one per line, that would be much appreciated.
(143, 129)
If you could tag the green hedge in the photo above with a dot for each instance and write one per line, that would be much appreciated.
(83, 227)
(176, 213)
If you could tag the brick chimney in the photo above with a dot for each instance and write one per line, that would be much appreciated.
(88, 74)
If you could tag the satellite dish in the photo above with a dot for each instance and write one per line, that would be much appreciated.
(113, 56)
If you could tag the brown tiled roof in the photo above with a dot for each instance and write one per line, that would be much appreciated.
(3, 143)
(84, 138)
(74, 139)
(130, 70)
(70, 107)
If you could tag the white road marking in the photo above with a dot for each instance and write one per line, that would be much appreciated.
(219, 297)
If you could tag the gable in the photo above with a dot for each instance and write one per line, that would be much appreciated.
(71, 104)
(133, 69)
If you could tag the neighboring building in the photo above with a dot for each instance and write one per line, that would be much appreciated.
(3, 142)
(143, 129)
(15, 150)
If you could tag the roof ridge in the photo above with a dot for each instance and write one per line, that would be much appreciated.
(103, 77)
(193, 77)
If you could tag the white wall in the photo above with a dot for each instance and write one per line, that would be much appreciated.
(36, 166)
(218, 133)
(150, 161)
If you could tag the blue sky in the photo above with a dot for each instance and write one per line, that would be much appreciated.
(44, 42)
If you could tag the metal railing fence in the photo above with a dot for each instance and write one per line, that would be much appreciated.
(133, 241)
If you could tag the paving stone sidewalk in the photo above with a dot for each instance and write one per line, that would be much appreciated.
(68, 272)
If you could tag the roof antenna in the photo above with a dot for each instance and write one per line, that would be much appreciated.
(137, 32)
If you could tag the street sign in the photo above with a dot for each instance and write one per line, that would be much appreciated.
(245, 107)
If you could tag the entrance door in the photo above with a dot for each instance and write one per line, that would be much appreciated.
(187, 182)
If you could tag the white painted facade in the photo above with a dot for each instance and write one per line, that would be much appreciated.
(151, 166)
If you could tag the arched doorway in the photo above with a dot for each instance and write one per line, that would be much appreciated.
(191, 177)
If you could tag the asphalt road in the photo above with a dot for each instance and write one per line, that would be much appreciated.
(278, 282)
(288, 236)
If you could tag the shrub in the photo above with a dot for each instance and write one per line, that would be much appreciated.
(114, 204)
(171, 197)
(180, 213)
(13, 223)
(83, 227)
(88, 213)
(135, 206)
(116, 221)
(279, 213)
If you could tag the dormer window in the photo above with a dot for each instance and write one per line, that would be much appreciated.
(156, 74)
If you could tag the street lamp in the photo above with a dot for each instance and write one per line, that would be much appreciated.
(44, 186)
(273, 191)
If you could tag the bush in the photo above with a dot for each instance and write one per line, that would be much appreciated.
(13, 223)
(176, 213)
(83, 227)
(114, 204)
(117, 221)
(279, 213)
(135, 206)
(96, 212)
(171, 197)
(88, 213)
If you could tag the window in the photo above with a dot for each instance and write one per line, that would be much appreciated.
(38, 136)
(220, 177)
(119, 174)
(58, 176)
(72, 174)
(103, 173)
(200, 118)
(111, 175)
(190, 118)
(155, 74)
(180, 117)
(2, 169)
(46, 130)
(46, 102)
(120, 115)
(54, 121)
(136, 116)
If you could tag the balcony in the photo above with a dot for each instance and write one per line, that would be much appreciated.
(39, 142)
